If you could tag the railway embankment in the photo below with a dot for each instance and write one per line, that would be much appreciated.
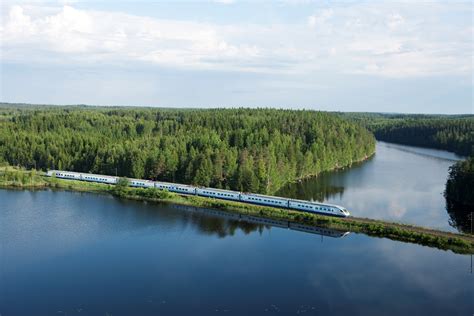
(12, 178)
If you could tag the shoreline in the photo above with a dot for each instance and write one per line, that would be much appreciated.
(456, 242)
(335, 168)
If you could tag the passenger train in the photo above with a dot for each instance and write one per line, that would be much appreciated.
(259, 199)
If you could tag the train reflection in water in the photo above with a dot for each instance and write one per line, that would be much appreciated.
(322, 231)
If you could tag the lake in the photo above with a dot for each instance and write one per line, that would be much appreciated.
(69, 253)
(400, 183)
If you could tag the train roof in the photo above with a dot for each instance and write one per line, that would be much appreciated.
(143, 180)
(267, 196)
(171, 183)
(100, 175)
(85, 173)
(218, 190)
(318, 203)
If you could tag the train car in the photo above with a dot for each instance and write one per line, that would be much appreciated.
(313, 207)
(177, 188)
(64, 174)
(82, 176)
(162, 185)
(183, 189)
(139, 183)
(264, 200)
(218, 194)
(98, 178)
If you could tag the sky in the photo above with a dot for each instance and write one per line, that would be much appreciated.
(375, 56)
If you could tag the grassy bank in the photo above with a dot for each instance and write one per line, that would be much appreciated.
(458, 243)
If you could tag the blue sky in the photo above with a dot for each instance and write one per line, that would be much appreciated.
(378, 56)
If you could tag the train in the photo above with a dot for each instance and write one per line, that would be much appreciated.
(250, 198)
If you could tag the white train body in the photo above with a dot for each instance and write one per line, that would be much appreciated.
(174, 187)
(139, 183)
(65, 175)
(314, 207)
(264, 200)
(82, 176)
(219, 194)
(299, 205)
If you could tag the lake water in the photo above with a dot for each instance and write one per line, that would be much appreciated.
(400, 183)
(66, 253)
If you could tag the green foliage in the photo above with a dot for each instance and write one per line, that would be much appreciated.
(453, 133)
(256, 150)
(460, 184)
(154, 193)
(121, 187)
(19, 178)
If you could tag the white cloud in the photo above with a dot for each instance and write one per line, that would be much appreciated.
(87, 36)
(395, 20)
(320, 18)
(225, 1)
(392, 40)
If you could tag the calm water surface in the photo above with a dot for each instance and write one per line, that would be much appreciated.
(64, 253)
(400, 183)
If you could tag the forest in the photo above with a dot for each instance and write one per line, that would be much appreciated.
(460, 184)
(453, 133)
(255, 150)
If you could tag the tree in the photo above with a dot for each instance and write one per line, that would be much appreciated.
(250, 149)
(460, 183)
(121, 187)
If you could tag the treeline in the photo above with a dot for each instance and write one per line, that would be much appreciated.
(257, 150)
(460, 184)
(454, 133)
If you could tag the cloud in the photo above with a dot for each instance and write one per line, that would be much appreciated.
(320, 18)
(94, 36)
(224, 1)
(390, 40)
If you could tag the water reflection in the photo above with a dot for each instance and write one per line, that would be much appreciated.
(212, 222)
(400, 183)
(84, 254)
(461, 217)
(225, 224)
(313, 190)
(96, 216)
(426, 152)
